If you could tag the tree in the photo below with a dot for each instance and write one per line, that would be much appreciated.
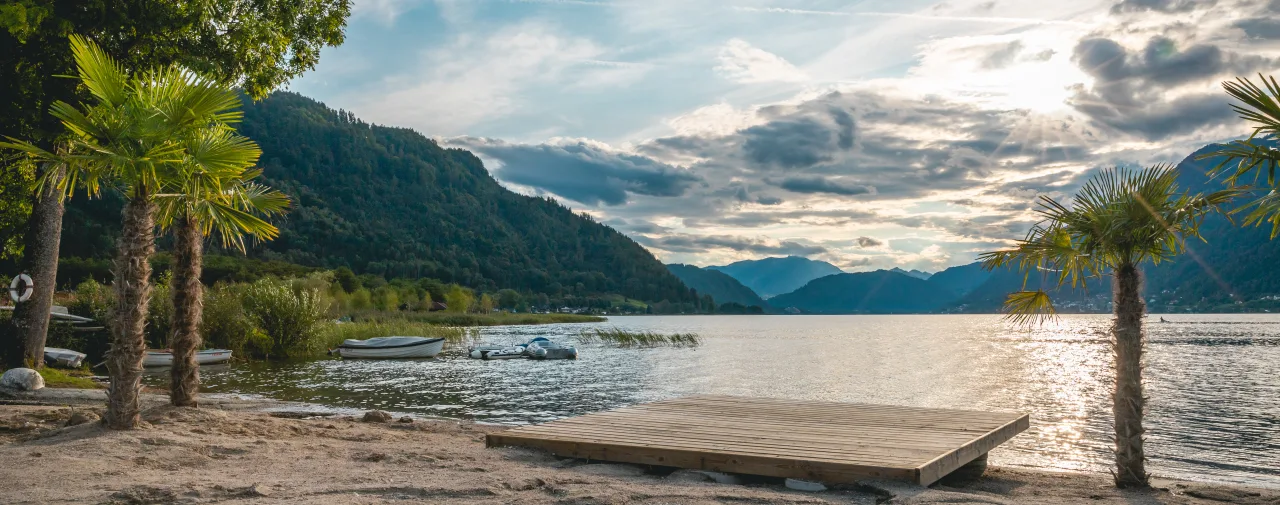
(1118, 221)
(135, 133)
(257, 45)
(1258, 152)
(459, 299)
(486, 304)
(212, 191)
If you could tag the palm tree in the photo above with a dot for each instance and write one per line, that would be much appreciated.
(133, 135)
(212, 192)
(1241, 157)
(1118, 221)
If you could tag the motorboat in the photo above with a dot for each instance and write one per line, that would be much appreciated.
(205, 357)
(65, 358)
(391, 348)
(541, 348)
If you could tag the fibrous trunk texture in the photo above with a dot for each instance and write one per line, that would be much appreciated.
(30, 322)
(1128, 402)
(132, 287)
(188, 304)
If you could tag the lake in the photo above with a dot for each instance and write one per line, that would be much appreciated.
(1213, 380)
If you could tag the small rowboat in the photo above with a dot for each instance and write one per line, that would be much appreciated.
(391, 347)
(65, 358)
(205, 357)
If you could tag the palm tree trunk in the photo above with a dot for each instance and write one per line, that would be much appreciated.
(1128, 402)
(132, 288)
(188, 303)
(30, 322)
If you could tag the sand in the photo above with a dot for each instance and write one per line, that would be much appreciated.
(229, 451)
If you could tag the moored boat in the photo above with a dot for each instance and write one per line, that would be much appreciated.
(65, 358)
(490, 351)
(547, 349)
(205, 357)
(391, 348)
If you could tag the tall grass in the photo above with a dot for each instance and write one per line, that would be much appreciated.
(333, 334)
(624, 338)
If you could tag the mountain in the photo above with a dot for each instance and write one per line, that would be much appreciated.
(961, 279)
(912, 273)
(391, 202)
(719, 285)
(879, 292)
(773, 276)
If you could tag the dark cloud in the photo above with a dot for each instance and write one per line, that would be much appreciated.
(869, 242)
(1161, 5)
(795, 140)
(582, 172)
(1260, 28)
(1003, 56)
(822, 185)
(807, 217)
(1129, 92)
(705, 243)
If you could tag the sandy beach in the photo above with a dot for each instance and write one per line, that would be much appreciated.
(232, 451)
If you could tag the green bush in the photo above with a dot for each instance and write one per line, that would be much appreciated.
(290, 318)
(160, 315)
(226, 325)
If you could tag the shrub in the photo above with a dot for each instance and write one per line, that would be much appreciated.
(226, 325)
(160, 315)
(290, 319)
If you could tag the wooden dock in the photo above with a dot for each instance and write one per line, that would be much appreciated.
(817, 441)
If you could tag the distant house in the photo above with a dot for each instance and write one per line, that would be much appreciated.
(437, 306)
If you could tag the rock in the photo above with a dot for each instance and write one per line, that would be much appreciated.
(80, 417)
(376, 416)
(804, 485)
(405, 419)
(22, 379)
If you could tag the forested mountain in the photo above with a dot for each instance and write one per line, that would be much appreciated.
(391, 202)
(773, 276)
(913, 273)
(960, 280)
(721, 287)
(879, 292)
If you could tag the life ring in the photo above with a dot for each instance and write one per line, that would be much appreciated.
(21, 287)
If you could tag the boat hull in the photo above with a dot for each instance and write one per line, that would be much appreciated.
(65, 358)
(206, 357)
(426, 349)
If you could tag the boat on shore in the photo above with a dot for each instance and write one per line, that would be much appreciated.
(205, 357)
(390, 348)
(65, 358)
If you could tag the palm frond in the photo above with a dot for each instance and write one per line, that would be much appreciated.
(1027, 308)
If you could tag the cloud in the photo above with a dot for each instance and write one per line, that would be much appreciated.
(822, 185)
(1260, 28)
(744, 63)
(1132, 88)
(680, 243)
(1161, 5)
(1004, 56)
(869, 242)
(583, 171)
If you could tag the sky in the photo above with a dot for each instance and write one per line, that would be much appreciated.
(869, 134)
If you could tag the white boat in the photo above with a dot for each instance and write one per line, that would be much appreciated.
(205, 357)
(489, 351)
(65, 358)
(391, 347)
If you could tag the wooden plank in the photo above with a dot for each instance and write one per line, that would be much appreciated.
(823, 441)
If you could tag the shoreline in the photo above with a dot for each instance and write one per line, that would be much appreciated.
(241, 450)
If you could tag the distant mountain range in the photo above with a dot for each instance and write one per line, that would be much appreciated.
(774, 276)
(913, 273)
(721, 287)
(879, 292)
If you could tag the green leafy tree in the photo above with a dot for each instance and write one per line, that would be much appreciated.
(459, 299)
(486, 304)
(257, 46)
(211, 191)
(1120, 220)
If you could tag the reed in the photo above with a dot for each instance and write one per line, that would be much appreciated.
(625, 338)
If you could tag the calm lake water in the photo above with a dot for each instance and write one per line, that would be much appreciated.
(1213, 380)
